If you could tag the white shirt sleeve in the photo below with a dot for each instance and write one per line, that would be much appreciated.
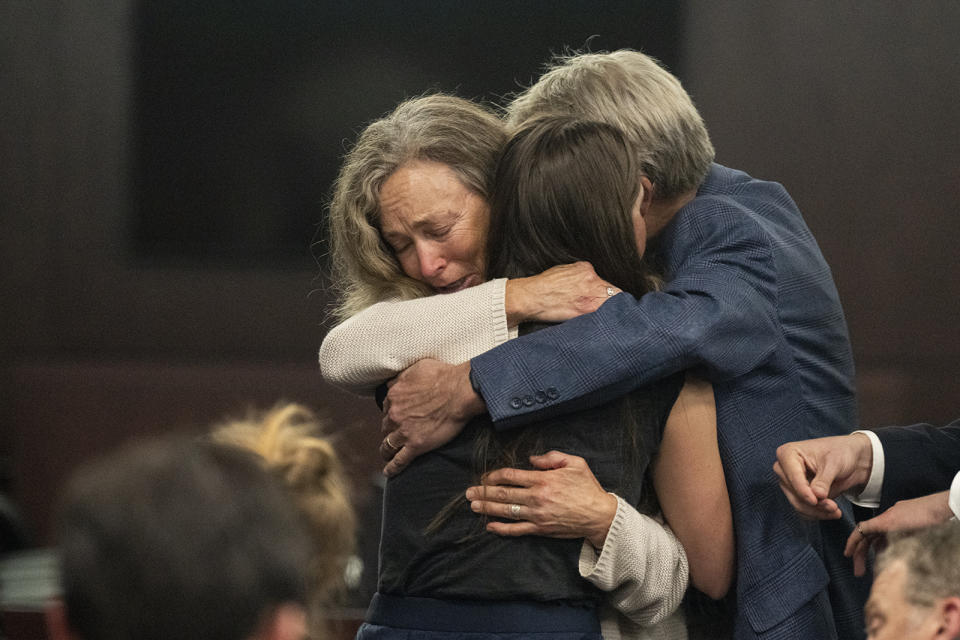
(373, 346)
(870, 496)
(955, 496)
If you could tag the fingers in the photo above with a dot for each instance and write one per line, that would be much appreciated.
(858, 544)
(389, 446)
(394, 449)
(823, 480)
(512, 529)
(490, 500)
(826, 509)
(509, 476)
(553, 460)
(866, 535)
(792, 468)
(400, 461)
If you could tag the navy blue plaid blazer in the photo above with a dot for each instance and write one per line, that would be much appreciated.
(918, 460)
(751, 305)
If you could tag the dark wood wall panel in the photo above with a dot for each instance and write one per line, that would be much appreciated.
(854, 107)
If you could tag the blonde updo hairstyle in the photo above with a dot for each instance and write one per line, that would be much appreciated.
(634, 93)
(289, 442)
(461, 134)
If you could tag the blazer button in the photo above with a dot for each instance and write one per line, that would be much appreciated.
(516, 403)
(540, 397)
(528, 401)
(552, 393)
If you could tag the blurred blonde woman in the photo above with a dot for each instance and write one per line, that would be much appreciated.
(290, 440)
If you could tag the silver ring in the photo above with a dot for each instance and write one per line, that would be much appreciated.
(862, 534)
(611, 292)
(515, 511)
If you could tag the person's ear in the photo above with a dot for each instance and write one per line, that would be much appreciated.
(948, 614)
(287, 622)
(55, 617)
(646, 195)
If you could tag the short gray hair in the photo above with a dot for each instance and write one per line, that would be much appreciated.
(458, 133)
(932, 559)
(634, 92)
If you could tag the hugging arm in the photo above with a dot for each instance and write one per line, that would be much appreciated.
(691, 487)
(375, 345)
(381, 341)
(718, 311)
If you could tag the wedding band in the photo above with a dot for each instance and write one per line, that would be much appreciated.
(389, 444)
(862, 534)
(515, 511)
(611, 291)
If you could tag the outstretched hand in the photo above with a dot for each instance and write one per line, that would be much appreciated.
(560, 499)
(905, 515)
(813, 472)
(557, 294)
(426, 407)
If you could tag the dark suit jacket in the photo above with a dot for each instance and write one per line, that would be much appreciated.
(918, 460)
(752, 304)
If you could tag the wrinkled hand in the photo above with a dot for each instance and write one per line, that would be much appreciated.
(426, 407)
(559, 293)
(905, 515)
(561, 500)
(812, 472)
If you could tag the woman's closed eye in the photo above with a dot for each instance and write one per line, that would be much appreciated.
(438, 232)
(399, 246)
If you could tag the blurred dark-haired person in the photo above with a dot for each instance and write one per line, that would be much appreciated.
(174, 538)
(916, 591)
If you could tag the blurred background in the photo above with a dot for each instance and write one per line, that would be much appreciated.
(164, 168)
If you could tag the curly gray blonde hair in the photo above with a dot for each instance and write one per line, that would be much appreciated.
(633, 92)
(461, 134)
(290, 443)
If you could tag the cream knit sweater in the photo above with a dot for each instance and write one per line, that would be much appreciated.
(642, 566)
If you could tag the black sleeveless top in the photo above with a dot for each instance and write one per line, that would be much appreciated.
(459, 559)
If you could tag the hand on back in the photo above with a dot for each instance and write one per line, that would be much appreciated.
(558, 294)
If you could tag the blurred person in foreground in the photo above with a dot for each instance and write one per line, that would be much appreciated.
(179, 539)
(289, 442)
(916, 592)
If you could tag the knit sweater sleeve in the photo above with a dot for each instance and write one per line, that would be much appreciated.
(382, 340)
(642, 567)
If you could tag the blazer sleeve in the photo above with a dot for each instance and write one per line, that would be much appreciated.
(918, 460)
(718, 312)
(382, 340)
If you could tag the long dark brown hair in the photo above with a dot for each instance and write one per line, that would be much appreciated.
(564, 191)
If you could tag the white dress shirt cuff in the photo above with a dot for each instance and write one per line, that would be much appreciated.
(870, 496)
(955, 496)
